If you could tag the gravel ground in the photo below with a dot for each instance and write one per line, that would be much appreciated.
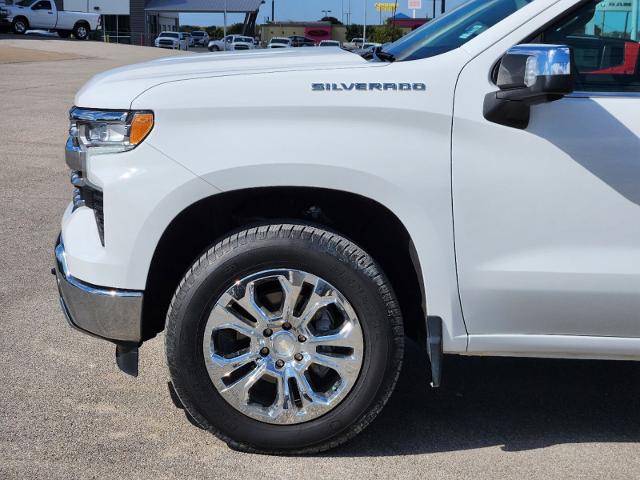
(67, 412)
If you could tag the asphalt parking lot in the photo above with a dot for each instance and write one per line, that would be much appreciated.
(67, 412)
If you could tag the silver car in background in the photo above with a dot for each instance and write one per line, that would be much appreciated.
(200, 38)
(232, 42)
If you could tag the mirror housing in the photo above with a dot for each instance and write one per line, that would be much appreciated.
(529, 75)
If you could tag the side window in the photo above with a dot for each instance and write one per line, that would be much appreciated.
(605, 38)
(45, 5)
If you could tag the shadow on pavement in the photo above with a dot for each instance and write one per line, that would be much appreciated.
(519, 404)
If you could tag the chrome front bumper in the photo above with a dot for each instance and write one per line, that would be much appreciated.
(107, 313)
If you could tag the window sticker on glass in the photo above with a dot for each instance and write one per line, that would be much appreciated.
(471, 31)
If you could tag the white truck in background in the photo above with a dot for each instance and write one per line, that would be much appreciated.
(26, 15)
(285, 216)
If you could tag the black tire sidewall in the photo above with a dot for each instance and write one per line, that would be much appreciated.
(186, 358)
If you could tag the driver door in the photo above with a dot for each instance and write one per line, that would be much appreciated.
(547, 219)
(42, 15)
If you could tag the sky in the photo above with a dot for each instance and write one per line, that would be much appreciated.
(302, 10)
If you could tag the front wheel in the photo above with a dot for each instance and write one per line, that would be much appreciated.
(284, 339)
(19, 26)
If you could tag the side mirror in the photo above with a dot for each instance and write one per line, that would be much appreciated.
(529, 75)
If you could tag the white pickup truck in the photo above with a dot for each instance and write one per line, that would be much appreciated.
(474, 185)
(48, 15)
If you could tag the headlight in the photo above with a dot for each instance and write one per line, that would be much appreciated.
(109, 131)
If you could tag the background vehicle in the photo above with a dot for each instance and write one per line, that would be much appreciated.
(329, 43)
(279, 42)
(231, 42)
(174, 40)
(189, 38)
(44, 15)
(366, 48)
(502, 218)
(354, 43)
(300, 41)
(200, 38)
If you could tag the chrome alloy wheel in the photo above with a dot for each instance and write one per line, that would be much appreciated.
(283, 346)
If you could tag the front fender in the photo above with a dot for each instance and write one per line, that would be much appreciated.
(427, 220)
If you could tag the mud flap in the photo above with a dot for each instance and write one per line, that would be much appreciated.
(434, 348)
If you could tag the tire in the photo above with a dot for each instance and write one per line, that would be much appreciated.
(81, 31)
(64, 33)
(346, 268)
(215, 48)
(20, 26)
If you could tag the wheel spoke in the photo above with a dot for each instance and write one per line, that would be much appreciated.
(239, 390)
(221, 318)
(347, 366)
(249, 303)
(291, 293)
(307, 394)
(321, 296)
(343, 338)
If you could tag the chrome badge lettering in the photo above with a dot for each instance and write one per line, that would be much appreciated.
(370, 87)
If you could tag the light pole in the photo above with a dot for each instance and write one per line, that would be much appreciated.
(635, 11)
(225, 20)
(364, 27)
(326, 13)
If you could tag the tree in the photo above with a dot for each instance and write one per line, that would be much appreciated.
(384, 34)
(333, 20)
(355, 31)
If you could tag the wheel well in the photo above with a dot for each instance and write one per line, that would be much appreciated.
(371, 225)
(82, 22)
(22, 17)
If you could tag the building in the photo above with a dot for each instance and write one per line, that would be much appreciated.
(406, 23)
(316, 31)
(140, 21)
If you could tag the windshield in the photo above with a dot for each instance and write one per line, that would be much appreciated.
(24, 3)
(454, 29)
(169, 35)
(280, 40)
(197, 34)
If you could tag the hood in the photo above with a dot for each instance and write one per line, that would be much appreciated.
(117, 88)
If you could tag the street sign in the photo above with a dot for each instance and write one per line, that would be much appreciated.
(415, 4)
(385, 7)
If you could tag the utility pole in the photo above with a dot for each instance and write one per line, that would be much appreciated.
(273, 11)
(225, 22)
(364, 28)
(635, 7)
